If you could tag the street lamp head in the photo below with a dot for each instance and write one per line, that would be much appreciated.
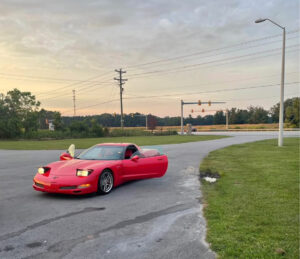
(260, 20)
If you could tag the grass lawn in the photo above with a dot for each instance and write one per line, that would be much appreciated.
(87, 142)
(253, 209)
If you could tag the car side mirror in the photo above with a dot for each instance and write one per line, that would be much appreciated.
(65, 156)
(135, 158)
(71, 150)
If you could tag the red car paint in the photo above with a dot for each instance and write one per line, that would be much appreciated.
(62, 178)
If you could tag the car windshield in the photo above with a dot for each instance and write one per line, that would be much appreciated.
(102, 153)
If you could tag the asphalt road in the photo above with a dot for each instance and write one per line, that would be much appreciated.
(156, 218)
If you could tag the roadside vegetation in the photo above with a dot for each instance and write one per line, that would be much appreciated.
(233, 127)
(252, 211)
(21, 117)
(87, 142)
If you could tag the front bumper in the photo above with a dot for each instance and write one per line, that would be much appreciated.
(64, 185)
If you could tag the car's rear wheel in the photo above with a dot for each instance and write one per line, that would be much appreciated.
(105, 182)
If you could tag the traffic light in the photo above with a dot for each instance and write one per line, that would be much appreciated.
(209, 103)
(203, 110)
(199, 102)
(192, 110)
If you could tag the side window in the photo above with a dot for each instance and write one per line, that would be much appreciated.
(130, 150)
(138, 153)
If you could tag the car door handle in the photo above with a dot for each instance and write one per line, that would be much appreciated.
(159, 158)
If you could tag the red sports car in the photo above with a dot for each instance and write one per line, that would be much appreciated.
(100, 169)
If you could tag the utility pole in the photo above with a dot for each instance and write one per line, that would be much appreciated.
(146, 121)
(121, 83)
(74, 104)
(181, 103)
(281, 109)
(227, 119)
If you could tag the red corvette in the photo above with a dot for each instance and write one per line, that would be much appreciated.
(100, 169)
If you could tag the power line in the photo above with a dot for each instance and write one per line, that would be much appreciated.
(228, 81)
(93, 105)
(214, 65)
(102, 88)
(163, 71)
(39, 78)
(210, 50)
(66, 90)
(198, 53)
(143, 97)
(191, 93)
(229, 100)
(77, 83)
(85, 87)
(212, 91)
(230, 51)
(178, 69)
(157, 61)
(263, 98)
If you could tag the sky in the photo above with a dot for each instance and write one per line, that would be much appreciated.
(171, 50)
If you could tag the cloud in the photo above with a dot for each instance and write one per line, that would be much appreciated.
(82, 37)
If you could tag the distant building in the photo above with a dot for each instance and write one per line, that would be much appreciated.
(50, 124)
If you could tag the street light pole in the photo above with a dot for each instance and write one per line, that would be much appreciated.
(281, 111)
(281, 108)
(181, 119)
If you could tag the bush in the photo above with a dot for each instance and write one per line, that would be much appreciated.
(45, 134)
(96, 131)
(165, 133)
(79, 127)
(127, 133)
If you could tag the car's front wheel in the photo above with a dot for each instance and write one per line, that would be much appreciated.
(105, 182)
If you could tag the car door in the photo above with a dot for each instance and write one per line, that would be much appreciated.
(130, 167)
(154, 166)
(159, 165)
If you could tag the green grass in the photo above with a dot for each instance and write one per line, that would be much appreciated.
(253, 209)
(88, 142)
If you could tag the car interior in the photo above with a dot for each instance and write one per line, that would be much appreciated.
(129, 151)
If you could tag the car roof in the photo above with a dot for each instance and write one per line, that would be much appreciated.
(115, 144)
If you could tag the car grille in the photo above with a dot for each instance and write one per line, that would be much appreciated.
(68, 187)
(39, 185)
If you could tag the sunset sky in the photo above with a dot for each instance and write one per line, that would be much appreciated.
(171, 50)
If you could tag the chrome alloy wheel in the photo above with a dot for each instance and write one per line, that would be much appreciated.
(106, 181)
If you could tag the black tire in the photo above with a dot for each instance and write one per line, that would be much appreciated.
(105, 182)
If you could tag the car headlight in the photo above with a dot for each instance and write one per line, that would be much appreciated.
(82, 172)
(43, 170)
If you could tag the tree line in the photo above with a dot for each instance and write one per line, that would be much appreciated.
(251, 115)
(21, 116)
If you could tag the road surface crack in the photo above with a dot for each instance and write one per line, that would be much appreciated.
(64, 247)
(47, 221)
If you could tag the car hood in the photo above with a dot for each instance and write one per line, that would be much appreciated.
(69, 167)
